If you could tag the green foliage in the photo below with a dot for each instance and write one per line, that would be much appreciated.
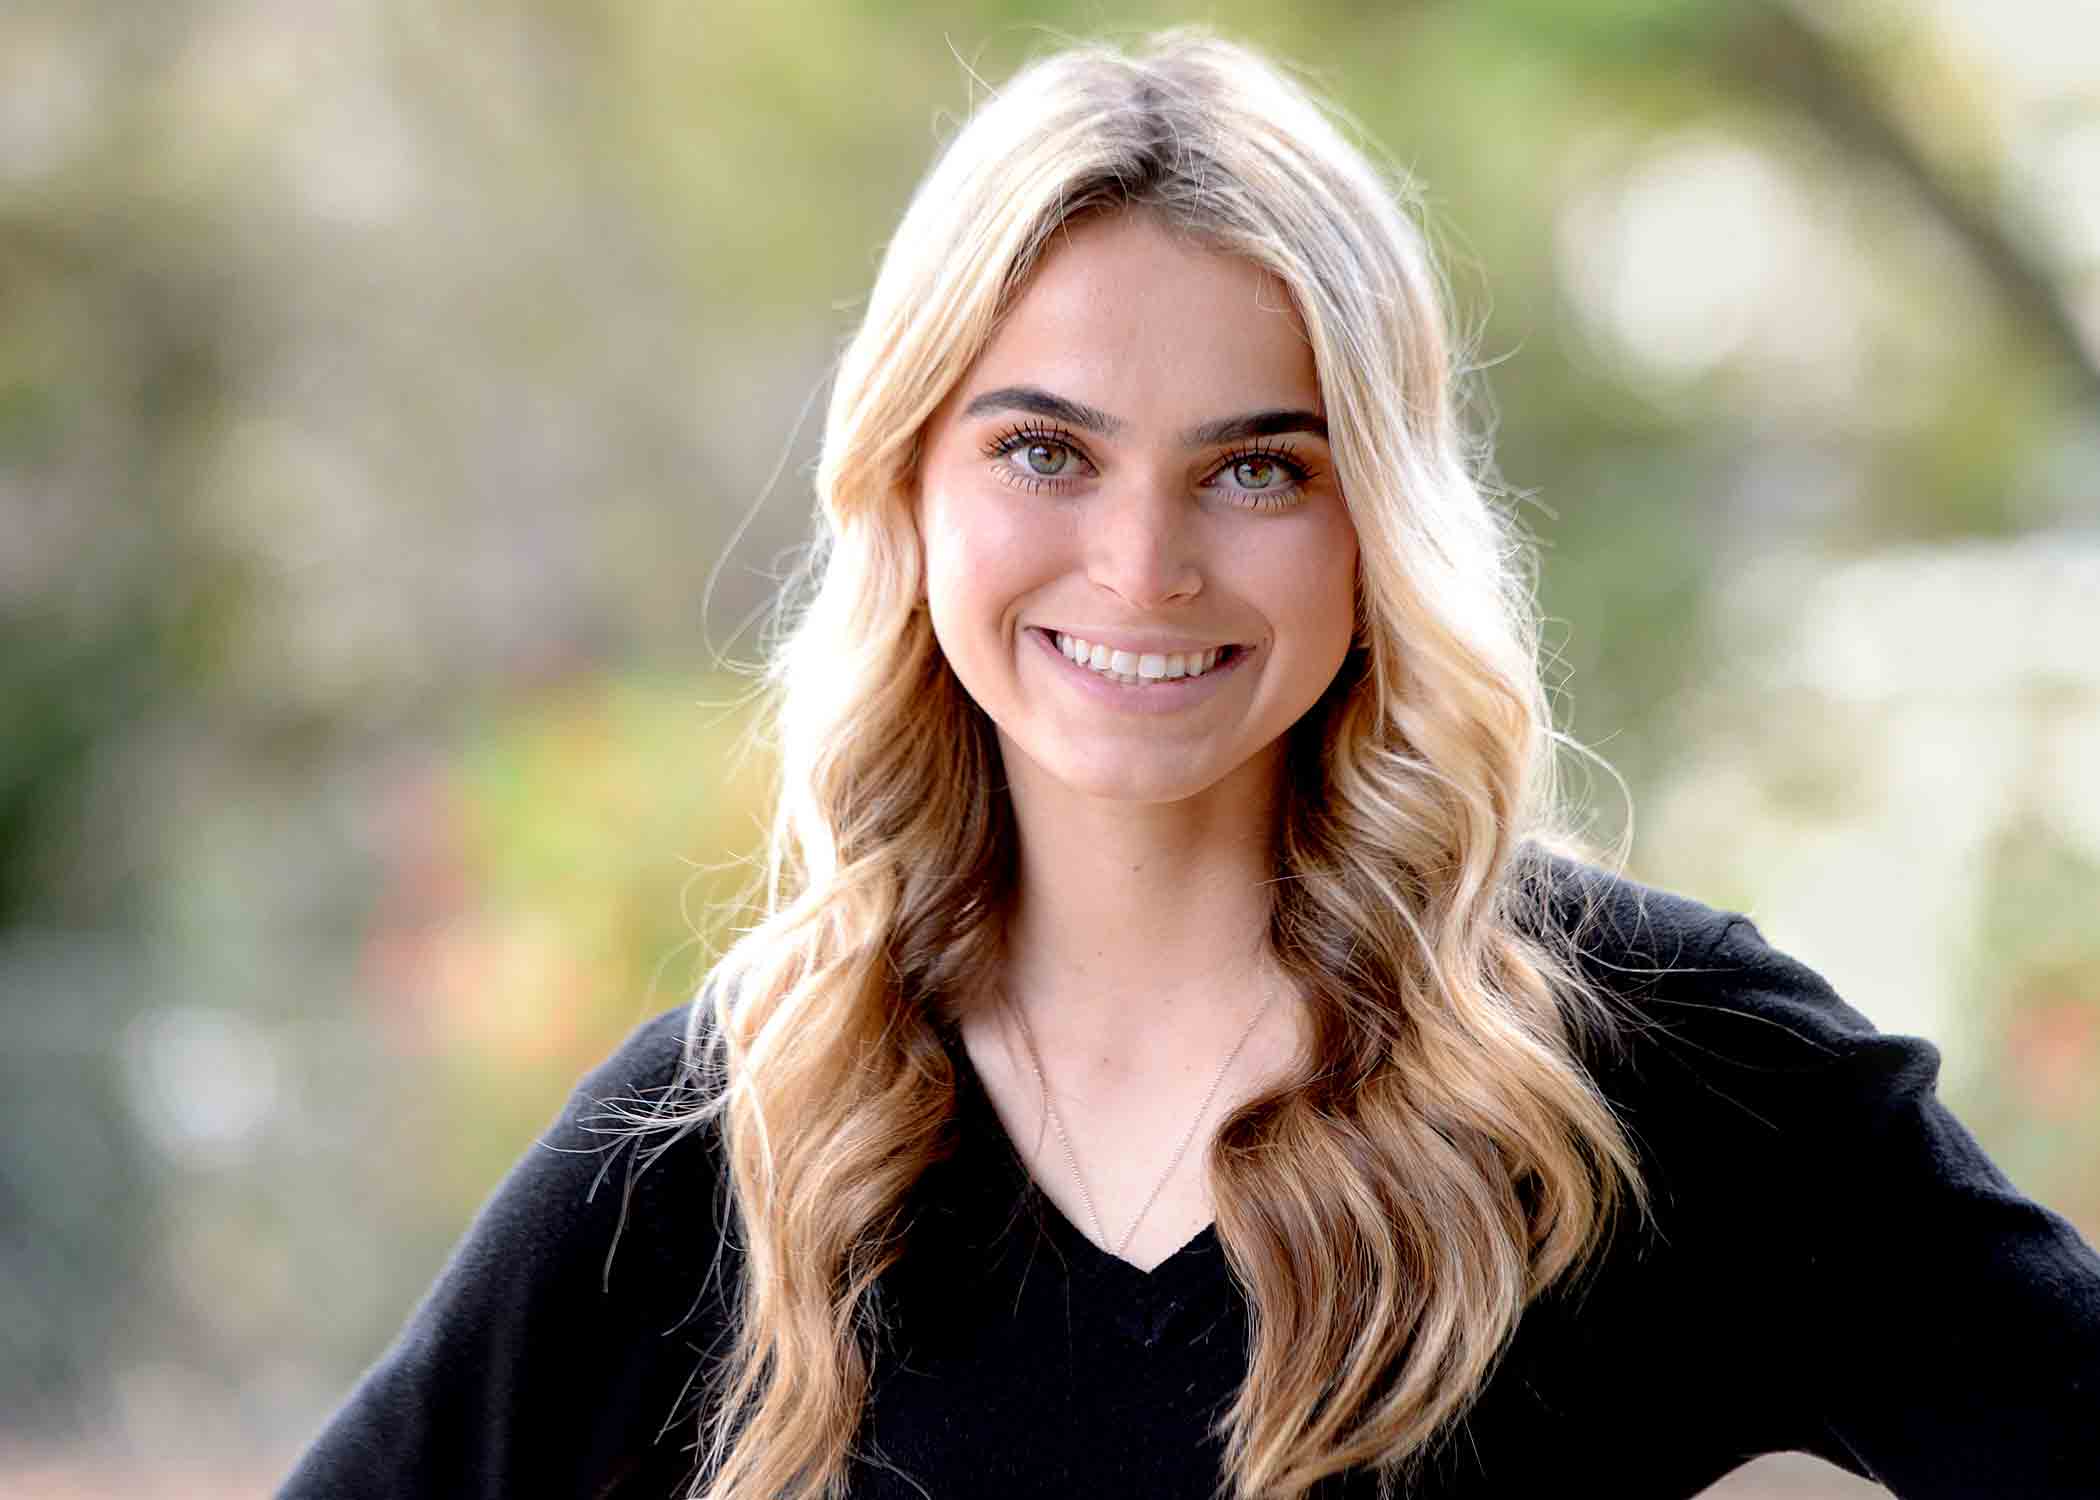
(595, 841)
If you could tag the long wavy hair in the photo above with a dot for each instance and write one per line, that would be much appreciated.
(1443, 1156)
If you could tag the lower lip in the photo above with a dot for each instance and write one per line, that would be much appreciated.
(1169, 695)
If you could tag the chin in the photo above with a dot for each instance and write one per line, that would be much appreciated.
(1150, 780)
(1140, 771)
(1153, 791)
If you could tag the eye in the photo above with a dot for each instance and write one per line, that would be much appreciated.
(1034, 458)
(1265, 478)
(1046, 459)
(1258, 473)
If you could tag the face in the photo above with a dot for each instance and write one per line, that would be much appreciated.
(1136, 469)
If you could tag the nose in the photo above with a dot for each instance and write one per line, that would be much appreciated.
(1141, 544)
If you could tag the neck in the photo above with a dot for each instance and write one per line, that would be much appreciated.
(1140, 924)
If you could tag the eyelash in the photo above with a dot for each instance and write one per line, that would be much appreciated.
(1282, 455)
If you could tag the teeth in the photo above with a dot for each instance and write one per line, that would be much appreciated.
(1133, 667)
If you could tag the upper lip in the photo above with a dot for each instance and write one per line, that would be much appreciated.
(1138, 642)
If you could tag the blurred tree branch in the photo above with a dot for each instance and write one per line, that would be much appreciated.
(1772, 50)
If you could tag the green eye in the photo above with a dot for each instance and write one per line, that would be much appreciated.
(1035, 459)
(1263, 478)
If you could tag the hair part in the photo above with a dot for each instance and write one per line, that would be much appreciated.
(1444, 1156)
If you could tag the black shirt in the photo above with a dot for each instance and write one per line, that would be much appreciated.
(1834, 1267)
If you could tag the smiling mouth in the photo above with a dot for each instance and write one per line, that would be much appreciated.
(1135, 668)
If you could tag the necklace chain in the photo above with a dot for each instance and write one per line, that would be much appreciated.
(1035, 1063)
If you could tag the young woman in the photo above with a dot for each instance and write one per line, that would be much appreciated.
(1183, 1053)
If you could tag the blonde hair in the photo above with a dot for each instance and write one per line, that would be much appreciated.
(1444, 1157)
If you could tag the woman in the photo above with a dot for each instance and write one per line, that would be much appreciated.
(1175, 1055)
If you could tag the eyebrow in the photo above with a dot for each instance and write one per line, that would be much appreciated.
(1039, 402)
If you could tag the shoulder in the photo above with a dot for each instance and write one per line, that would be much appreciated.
(621, 1177)
(1813, 1203)
(1661, 953)
(631, 1098)
(1751, 1090)
(1615, 923)
(1704, 1017)
(646, 1071)
(591, 1256)
(1759, 1100)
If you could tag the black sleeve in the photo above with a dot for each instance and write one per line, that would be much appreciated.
(546, 1360)
(1939, 1330)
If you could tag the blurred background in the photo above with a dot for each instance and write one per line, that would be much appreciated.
(383, 388)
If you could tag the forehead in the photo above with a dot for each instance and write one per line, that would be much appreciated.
(1123, 314)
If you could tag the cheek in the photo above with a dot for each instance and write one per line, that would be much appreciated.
(981, 558)
(976, 545)
(1318, 578)
(944, 549)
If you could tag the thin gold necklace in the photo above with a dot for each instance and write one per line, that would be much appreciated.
(1035, 1063)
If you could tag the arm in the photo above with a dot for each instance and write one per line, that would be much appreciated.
(542, 1362)
(1942, 1328)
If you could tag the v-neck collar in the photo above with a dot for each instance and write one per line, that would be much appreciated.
(1199, 1263)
